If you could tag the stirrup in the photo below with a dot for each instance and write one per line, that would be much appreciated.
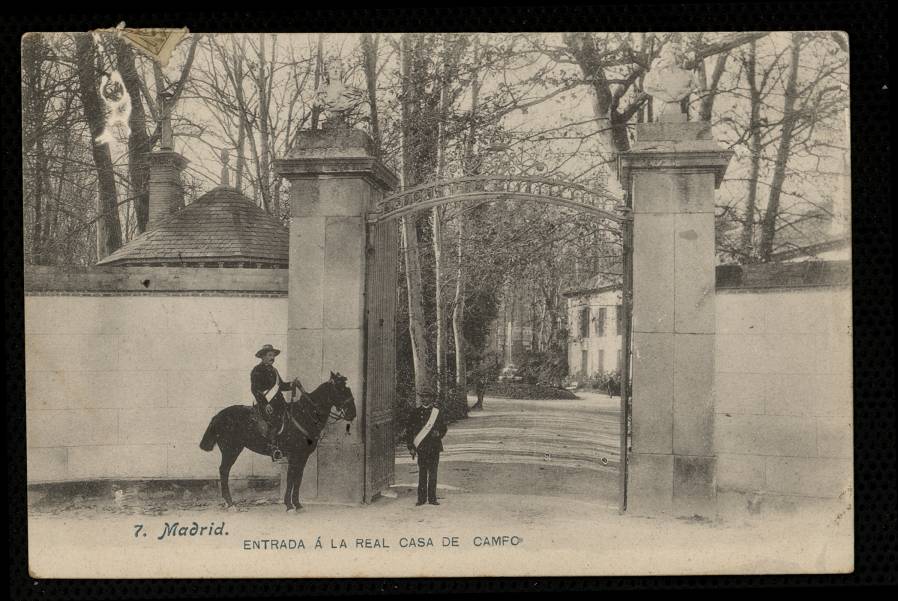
(276, 455)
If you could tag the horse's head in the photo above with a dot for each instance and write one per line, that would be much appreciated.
(341, 397)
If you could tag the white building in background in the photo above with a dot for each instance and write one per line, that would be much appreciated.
(594, 307)
(595, 338)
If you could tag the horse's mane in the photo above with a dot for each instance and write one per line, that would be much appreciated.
(318, 407)
(317, 394)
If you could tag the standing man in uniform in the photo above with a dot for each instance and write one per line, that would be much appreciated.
(267, 388)
(424, 434)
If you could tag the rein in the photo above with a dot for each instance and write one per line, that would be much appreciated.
(337, 416)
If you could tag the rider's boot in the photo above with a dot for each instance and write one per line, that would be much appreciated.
(276, 454)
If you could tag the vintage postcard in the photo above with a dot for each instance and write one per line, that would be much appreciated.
(455, 304)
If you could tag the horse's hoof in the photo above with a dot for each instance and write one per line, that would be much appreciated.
(232, 508)
(291, 509)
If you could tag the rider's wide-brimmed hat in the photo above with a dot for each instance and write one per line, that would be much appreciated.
(267, 349)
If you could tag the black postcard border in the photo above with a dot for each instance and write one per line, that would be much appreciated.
(866, 23)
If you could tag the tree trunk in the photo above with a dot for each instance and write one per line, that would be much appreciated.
(458, 314)
(707, 104)
(264, 164)
(37, 233)
(470, 167)
(34, 105)
(319, 63)
(612, 125)
(241, 153)
(746, 244)
(442, 345)
(369, 63)
(109, 229)
(768, 224)
(423, 375)
(469, 164)
(139, 139)
(408, 174)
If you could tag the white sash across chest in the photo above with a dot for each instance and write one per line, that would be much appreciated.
(274, 389)
(419, 438)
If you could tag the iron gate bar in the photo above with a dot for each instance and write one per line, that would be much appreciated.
(626, 318)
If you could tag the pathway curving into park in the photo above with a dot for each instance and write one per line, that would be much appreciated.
(543, 447)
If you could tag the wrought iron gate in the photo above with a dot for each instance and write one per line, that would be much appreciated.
(381, 297)
(381, 291)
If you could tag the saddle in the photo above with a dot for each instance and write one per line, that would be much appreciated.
(264, 423)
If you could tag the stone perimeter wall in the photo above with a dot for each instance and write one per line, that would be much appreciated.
(783, 411)
(125, 367)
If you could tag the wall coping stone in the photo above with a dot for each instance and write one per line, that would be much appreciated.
(112, 280)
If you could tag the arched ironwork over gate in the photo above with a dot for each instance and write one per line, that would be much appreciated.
(496, 188)
(381, 286)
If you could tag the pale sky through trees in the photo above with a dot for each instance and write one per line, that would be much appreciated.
(561, 129)
(536, 111)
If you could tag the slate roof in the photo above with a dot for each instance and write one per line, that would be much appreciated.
(804, 274)
(222, 226)
(812, 250)
(601, 282)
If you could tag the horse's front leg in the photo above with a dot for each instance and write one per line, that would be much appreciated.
(300, 460)
(288, 484)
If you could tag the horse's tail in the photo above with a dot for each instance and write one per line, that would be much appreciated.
(209, 438)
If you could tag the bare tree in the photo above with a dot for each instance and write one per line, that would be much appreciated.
(411, 71)
(109, 229)
(789, 122)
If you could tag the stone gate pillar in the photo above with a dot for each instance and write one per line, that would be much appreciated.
(671, 173)
(336, 179)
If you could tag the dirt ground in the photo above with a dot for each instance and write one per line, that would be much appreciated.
(516, 499)
(558, 448)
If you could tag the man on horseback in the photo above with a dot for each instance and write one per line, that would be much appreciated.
(267, 388)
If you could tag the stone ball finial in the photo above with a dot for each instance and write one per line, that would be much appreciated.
(669, 82)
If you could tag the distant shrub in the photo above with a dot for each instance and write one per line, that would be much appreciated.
(543, 368)
(607, 382)
(522, 390)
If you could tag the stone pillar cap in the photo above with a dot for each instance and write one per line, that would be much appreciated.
(336, 152)
(671, 145)
(331, 142)
(161, 157)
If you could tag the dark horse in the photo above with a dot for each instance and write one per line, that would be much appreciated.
(237, 427)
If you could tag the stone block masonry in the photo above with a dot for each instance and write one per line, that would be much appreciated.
(784, 392)
(121, 382)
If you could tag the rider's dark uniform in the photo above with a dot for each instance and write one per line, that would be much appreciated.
(262, 379)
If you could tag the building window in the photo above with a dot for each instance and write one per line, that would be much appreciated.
(620, 366)
(600, 322)
(584, 322)
(584, 363)
(619, 314)
(601, 361)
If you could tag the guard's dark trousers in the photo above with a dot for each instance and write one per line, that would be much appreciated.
(427, 477)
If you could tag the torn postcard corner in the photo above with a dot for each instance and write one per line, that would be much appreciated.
(156, 43)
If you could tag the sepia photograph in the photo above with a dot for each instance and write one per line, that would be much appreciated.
(387, 305)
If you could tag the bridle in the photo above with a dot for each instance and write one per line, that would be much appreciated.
(332, 417)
